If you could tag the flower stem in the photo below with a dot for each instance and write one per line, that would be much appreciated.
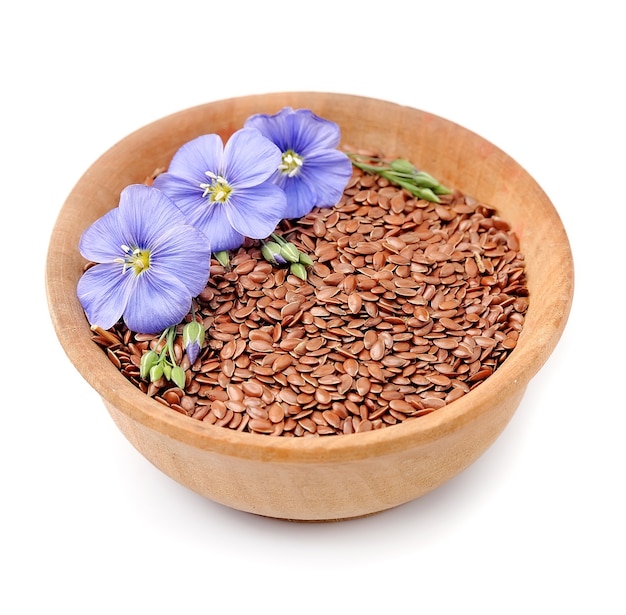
(171, 334)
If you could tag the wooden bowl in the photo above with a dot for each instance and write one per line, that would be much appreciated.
(332, 477)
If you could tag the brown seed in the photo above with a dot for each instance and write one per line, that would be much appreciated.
(377, 351)
(376, 372)
(290, 309)
(228, 350)
(235, 392)
(319, 228)
(439, 379)
(322, 396)
(289, 396)
(345, 384)
(236, 406)
(370, 338)
(228, 367)
(332, 418)
(351, 367)
(364, 426)
(260, 346)
(349, 284)
(448, 323)
(355, 302)
(261, 425)
(252, 388)
(363, 386)
(282, 362)
(218, 408)
(275, 413)
(334, 279)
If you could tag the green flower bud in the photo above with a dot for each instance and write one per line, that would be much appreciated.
(156, 371)
(400, 165)
(299, 270)
(223, 258)
(193, 339)
(193, 332)
(290, 253)
(427, 194)
(306, 260)
(271, 253)
(424, 180)
(167, 370)
(177, 376)
(148, 361)
(441, 189)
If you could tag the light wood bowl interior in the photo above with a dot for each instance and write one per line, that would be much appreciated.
(333, 477)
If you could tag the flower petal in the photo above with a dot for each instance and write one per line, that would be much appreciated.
(101, 242)
(301, 131)
(157, 302)
(255, 212)
(188, 171)
(183, 252)
(211, 219)
(275, 127)
(185, 192)
(310, 133)
(328, 173)
(128, 224)
(301, 196)
(249, 159)
(103, 291)
(196, 157)
(145, 213)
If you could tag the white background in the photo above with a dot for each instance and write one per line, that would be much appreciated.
(536, 525)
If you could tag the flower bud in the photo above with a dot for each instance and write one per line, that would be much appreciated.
(271, 253)
(427, 194)
(223, 258)
(306, 260)
(156, 371)
(193, 339)
(289, 252)
(299, 270)
(400, 165)
(178, 376)
(148, 361)
(424, 180)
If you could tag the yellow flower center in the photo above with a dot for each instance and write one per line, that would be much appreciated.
(217, 190)
(134, 259)
(291, 163)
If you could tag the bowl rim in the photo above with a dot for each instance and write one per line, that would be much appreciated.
(510, 378)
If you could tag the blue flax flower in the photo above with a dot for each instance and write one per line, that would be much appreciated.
(149, 263)
(312, 172)
(226, 191)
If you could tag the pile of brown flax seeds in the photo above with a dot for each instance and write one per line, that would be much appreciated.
(409, 305)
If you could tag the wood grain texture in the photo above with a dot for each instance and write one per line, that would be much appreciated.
(327, 478)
